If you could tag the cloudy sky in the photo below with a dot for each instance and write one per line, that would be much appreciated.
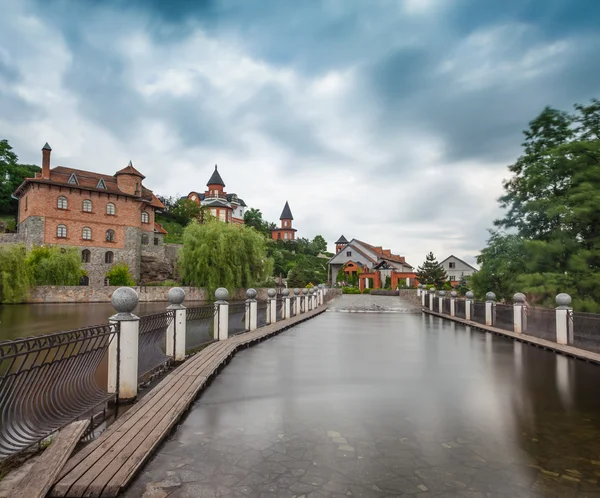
(391, 121)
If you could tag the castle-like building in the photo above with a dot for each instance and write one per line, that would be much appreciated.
(108, 218)
(223, 206)
(285, 231)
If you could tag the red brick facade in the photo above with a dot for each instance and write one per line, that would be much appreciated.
(286, 231)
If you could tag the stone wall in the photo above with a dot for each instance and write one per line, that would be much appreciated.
(159, 263)
(10, 238)
(85, 294)
(410, 295)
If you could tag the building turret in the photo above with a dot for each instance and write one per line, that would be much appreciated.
(215, 184)
(129, 180)
(340, 244)
(285, 232)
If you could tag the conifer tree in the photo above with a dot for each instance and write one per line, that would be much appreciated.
(431, 272)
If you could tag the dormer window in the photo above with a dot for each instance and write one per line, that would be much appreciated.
(73, 179)
(101, 184)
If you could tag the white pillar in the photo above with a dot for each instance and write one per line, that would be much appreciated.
(490, 309)
(123, 350)
(423, 294)
(431, 298)
(453, 303)
(272, 306)
(441, 301)
(251, 310)
(518, 312)
(221, 314)
(468, 305)
(321, 294)
(287, 303)
(564, 325)
(297, 299)
(305, 292)
(175, 340)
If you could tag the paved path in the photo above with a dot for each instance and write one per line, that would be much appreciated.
(382, 405)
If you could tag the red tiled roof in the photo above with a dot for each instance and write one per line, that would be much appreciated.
(159, 229)
(129, 170)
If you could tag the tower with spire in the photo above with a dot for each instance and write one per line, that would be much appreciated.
(285, 231)
(223, 206)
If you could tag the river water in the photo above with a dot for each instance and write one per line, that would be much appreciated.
(24, 320)
(387, 404)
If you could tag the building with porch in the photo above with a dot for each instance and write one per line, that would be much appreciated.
(223, 206)
(373, 265)
(285, 232)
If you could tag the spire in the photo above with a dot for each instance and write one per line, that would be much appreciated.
(215, 178)
(342, 240)
(286, 214)
(130, 164)
(46, 147)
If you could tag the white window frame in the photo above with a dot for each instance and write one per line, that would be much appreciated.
(61, 231)
(111, 207)
(87, 202)
(62, 202)
(86, 233)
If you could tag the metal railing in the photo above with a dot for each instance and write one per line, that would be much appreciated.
(460, 308)
(199, 329)
(586, 330)
(540, 322)
(446, 306)
(504, 318)
(48, 381)
(152, 358)
(478, 311)
(237, 318)
(280, 304)
(261, 319)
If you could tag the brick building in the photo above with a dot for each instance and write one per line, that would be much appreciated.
(372, 264)
(285, 232)
(223, 206)
(109, 218)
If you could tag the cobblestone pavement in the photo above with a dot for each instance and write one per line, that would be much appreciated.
(381, 405)
(367, 303)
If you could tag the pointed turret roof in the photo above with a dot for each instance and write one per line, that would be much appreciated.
(342, 240)
(286, 214)
(46, 147)
(129, 170)
(215, 178)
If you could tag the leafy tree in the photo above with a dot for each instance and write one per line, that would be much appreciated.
(119, 274)
(431, 272)
(463, 286)
(15, 274)
(294, 279)
(253, 218)
(216, 254)
(54, 265)
(319, 244)
(12, 175)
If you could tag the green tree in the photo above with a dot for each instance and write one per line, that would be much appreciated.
(431, 272)
(120, 275)
(294, 279)
(253, 218)
(463, 286)
(216, 254)
(319, 244)
(54, 265)
(15, 274)
(12, 175)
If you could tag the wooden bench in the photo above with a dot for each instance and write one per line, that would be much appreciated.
(108, 464)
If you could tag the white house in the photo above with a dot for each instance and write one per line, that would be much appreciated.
(456, 268)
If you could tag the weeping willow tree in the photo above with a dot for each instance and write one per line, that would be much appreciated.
(15, 274)
(53, 265)
(217, 254)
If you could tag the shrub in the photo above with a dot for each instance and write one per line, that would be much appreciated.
(350, 290)
(15, 274)
(54, 265)
(119, 275)
(367, 291)
(164, 283)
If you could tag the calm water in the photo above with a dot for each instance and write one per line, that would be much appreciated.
(380, 405)
(23, 320)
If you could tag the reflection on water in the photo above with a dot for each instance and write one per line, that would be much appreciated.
(23, 320)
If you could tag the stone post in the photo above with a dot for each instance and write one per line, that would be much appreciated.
(490, 309)
(431, 298)
(287, 304)
(221, 326)
(519, 313)
(297, 299)
(441, 301)
(423, 294)
(272, 306)
(315, 299)
(419, 290)
(175, 344)
(123, 349)
(322, 294)
(251, 310)
(311, 298)
(564, 323)
(305, 292)
(469, 305)
(453, 303)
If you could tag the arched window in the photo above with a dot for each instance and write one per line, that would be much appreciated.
(110, 235)
(145, 239)
(109, 257)
(86, 233)
(145, 217)
(110, 209)
(62, 202)
(86, 256)
(61, 231)
(87, 206)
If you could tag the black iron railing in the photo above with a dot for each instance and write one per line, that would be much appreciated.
(427, 296)
(152, 358)
(478, 312)
(280, 312)
(261, 319)
(505, 317)
(446, 306)
(540, 322)
(199, 327)
(586, 330)
(459, 308)
(237, 318)
(48, 381)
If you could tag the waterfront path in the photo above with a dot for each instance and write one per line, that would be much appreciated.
(107, 465)
(387, 404)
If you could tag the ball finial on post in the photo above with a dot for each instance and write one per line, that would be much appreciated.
(285, 292)
(563, 300)
(469, 295)
(176, 296)
(222, 294)
(296, 291)
(251, 293)
(305, 291)
(124, 301)
(490, 296)
(271, 293)
(453, 294)
(519, 298)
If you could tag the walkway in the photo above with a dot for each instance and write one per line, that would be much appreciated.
(381, 405)
(107, 465)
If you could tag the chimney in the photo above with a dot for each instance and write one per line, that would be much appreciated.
(46, 161)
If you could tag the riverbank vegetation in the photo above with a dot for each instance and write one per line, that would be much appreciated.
(549, 240)
(12, 174)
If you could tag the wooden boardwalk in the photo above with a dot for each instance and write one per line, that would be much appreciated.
(107, 465)
(573, 352)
